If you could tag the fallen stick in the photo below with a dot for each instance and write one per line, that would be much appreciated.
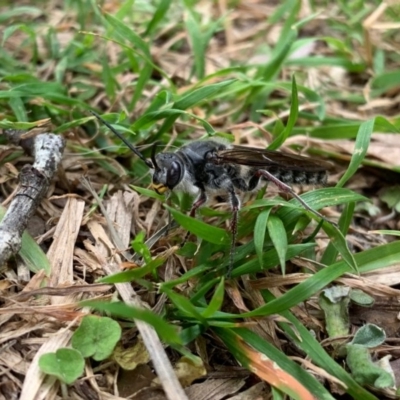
(34, 181)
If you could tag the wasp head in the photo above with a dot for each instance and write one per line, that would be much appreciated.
(168, 171)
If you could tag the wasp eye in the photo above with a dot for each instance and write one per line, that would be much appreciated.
(174, 174)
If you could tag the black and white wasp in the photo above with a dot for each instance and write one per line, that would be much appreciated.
(212, 167)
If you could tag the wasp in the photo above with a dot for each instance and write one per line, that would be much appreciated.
(212, 167)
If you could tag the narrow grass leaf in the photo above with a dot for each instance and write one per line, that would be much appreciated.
(158, 16)
(125, 33)
(318, 199)
(159, 101)
(204, 231)
(319, 61)
(18, 108)
(33, 255)
(271, 364)
(270, 259)
(184, 305)
(216, 300)
(331, 252)
(302, 338)
(200, 36)
(190, 99)
(260, 228)
(384, 82)
(294, 112)
(360, 150)
(149, 193)
(368, 260)
(133, 274)
(149, 119)
(197, 41)
(386, 232)
(198, 297)
(311, 95)
(193, 97)
(278, 235)
(339, 242)
(166, 331)
(192, 273)
(344, 130)
(328, 197)
(17, 12)
(108, 77)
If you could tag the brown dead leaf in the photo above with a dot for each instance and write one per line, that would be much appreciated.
(131, 357)
(214, 389)
(188, 370)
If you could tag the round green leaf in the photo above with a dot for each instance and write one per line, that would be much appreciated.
(96, 337)
(66, 364)
(369, 335)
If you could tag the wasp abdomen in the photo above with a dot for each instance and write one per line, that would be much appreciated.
(293, 177)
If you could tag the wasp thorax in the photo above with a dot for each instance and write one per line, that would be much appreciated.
(168, 172)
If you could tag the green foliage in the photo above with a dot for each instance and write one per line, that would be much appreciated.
(96, 337)
(65, 364)
(359, 360)
(166, 331)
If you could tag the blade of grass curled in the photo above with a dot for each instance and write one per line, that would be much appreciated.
(368, 260)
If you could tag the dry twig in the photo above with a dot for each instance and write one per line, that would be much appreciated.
(47, 150)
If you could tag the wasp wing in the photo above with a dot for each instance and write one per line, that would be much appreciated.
(256, 157)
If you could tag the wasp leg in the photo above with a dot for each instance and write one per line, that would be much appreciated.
(235, 206)
(286, 188)
(198, 203)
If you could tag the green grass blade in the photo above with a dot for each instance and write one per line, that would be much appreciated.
(360, 150)
(216, 300)
(260, 228)
(190, 99)
(330, 254)
(301, 336)
(204, 231)
(338, 240)
(230, 337)
(126, 33)
(270, 259)
(368, 260)
(133, 274)
(167, 332)
(294, 112)
(185, 306)
(278, 235)
(158, 16)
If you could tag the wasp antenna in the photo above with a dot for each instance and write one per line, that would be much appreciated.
(153, 155)
(116, 133)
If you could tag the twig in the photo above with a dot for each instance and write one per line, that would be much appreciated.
(34, 180)
(161, 363)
